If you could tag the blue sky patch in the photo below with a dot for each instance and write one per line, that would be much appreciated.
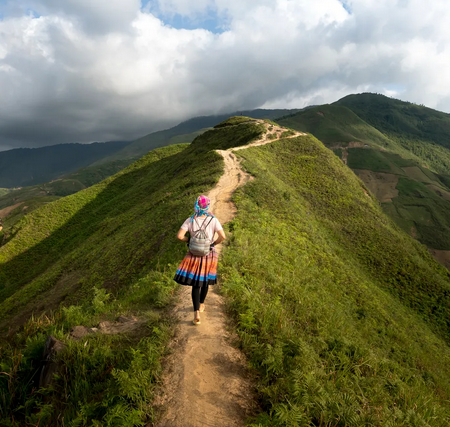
(209, 21)
(346, 6)
(183, 22)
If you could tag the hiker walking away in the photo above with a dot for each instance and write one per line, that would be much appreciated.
(199, 267)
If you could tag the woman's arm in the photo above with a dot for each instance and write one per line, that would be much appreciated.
(182, 235)
(221, 237)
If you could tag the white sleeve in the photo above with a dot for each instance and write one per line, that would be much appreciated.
(217, 225)
(185, 225)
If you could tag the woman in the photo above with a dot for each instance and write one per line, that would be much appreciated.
(200, 271)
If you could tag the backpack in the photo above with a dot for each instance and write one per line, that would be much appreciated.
(199, 243)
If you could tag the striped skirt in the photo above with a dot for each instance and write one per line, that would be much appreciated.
(197, 271)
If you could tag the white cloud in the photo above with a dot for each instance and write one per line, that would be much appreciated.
(86, 70)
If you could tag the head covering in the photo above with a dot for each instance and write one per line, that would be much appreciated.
(201, 207)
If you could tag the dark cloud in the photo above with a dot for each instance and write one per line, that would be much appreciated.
(81, 71)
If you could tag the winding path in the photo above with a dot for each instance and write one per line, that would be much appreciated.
(206, 380)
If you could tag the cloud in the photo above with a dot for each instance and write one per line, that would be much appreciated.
(80, 71)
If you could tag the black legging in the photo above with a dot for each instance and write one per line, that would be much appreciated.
(198, 296)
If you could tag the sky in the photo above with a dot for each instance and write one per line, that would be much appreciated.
(100, 70)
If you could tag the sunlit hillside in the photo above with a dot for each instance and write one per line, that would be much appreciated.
(409, 177)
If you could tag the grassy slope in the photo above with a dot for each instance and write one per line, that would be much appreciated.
(37, 195)
(345, 317)
(116, 238)
(337, 125)
(334, 124)
(421, 130)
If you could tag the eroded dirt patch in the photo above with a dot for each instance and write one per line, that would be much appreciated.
(443, 257)
(6, 211)
(382, 185)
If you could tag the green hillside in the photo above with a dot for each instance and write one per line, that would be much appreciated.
(344, 318)
(107, 251)
(334, 125)
(16, 203)
(420, 204)
(330, 298)
(421, 130)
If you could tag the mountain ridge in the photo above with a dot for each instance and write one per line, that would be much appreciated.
(29, 166)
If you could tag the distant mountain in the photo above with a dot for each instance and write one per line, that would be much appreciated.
(334, 124)
(29, 166)
(186, 132)
(419, 129)
(403, 160)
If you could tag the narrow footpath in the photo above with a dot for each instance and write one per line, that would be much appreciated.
(206, 381)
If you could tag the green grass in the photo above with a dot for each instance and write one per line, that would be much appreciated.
(35, 196)
(103, 252)
(374, 160)
(415, 128)
(432, 155)
(4, 191)
(391, 146)
(392, 116)
(344, 317)
(338, 152)
(425, 211)
(379, 161)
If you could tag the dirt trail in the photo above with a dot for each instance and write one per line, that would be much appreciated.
(206, 381)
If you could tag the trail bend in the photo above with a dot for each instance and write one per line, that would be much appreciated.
(206, 381)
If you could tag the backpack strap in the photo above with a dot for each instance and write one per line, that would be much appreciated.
(200, 227)
(208, 222)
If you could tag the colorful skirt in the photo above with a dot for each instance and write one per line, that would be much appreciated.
(197, 271)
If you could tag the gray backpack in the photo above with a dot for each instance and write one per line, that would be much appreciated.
(199, 243)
